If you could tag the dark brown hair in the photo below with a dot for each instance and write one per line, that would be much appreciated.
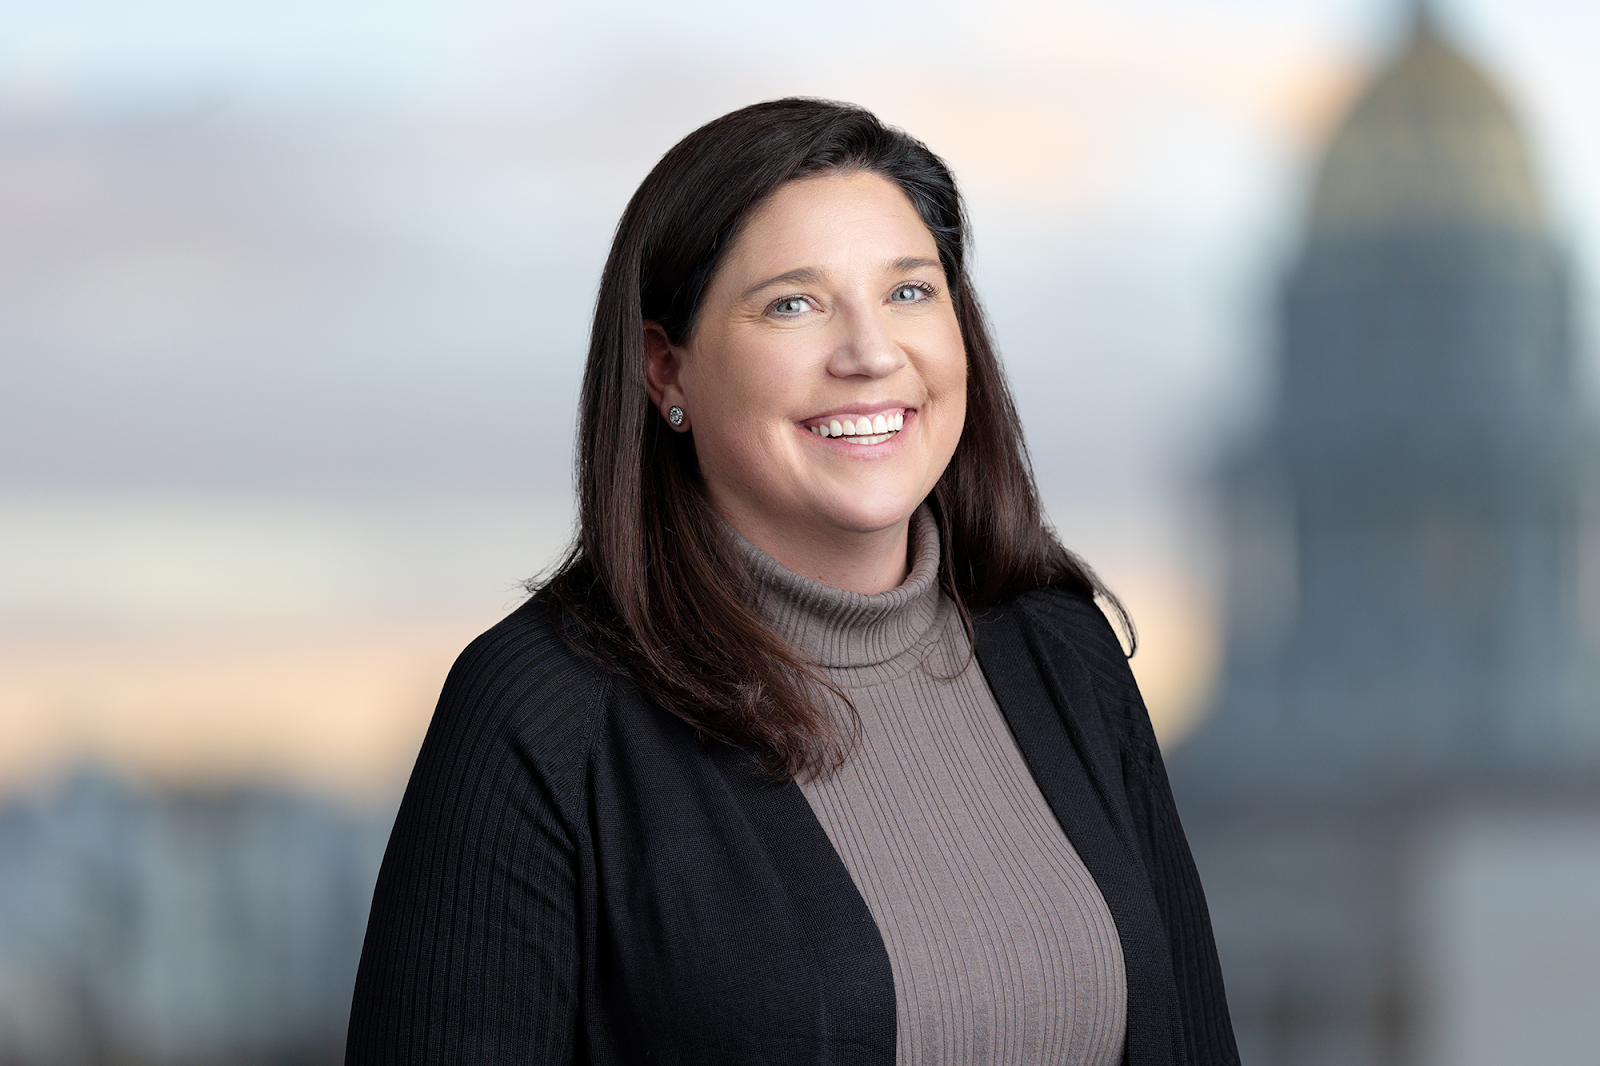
(652, 577)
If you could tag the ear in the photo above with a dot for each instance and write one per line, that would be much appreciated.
(662, 364)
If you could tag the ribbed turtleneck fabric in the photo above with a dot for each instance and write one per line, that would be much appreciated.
(1002, 948)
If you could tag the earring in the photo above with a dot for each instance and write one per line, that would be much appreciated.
(675, 415)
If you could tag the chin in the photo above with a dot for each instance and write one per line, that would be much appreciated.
(874, 519)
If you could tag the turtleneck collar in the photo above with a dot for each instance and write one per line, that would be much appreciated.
(836, 628)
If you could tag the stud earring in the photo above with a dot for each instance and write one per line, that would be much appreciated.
(675, 415)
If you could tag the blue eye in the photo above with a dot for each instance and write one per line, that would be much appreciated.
(907, 294)
(790, 305)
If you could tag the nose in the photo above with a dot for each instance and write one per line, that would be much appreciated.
(866, 347)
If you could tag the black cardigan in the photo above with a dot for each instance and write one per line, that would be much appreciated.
(574, 878)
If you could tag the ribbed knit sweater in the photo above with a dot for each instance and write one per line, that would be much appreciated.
(576, 879)
(1002, 947)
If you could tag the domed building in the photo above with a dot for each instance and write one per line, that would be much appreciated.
(1407, 698)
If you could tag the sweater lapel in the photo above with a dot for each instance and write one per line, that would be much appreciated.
(1049, 701)
(850, 963)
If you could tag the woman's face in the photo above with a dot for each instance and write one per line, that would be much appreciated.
(825, 381)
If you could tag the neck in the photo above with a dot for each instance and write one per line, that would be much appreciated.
(867, 563)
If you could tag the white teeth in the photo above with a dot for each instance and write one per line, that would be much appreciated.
(865, 429)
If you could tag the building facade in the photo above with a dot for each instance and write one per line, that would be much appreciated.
(1409, 666)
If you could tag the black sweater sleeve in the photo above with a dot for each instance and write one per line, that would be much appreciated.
(1207, 1030)
(471, 953)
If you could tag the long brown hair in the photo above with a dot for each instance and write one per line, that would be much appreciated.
(652, 577)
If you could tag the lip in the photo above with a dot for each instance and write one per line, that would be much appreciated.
(875, 408)
(907, 412)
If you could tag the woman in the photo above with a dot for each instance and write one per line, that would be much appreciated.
(816, 747)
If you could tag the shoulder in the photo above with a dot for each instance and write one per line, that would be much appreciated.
(1071, 622)
(524, 663)
(520, 700)
(1075, 618)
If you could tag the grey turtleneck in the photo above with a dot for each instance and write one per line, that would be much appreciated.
(1001, 945)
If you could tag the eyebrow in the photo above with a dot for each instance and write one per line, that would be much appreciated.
(805, 274)
(798, 276)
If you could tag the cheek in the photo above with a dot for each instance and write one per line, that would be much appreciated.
(958, 379)
(738, 377)
(948, 366)
(957, 420)
(952, 394)
(949, 376)
(740, 395)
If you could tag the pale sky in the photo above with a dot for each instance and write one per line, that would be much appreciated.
(324, 249)
(293, 295)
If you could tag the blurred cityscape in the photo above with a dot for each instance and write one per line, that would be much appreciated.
(1396, 802)
(292, 311)
(180, 926)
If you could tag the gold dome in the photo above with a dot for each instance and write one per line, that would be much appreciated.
(1432, 143)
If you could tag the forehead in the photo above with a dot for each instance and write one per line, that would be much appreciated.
(826, 216)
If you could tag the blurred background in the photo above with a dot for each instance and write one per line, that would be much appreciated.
(1296, 298)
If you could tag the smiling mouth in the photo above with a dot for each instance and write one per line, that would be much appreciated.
(860, 429)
